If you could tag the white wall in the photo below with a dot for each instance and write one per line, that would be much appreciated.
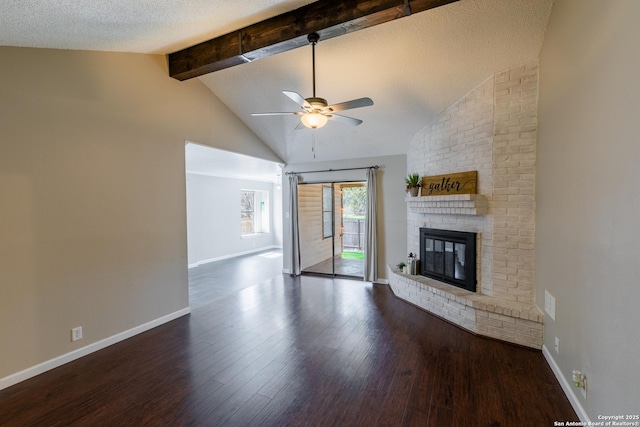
(213, 218)
(392, 208)
(588, 212)
(92, 196)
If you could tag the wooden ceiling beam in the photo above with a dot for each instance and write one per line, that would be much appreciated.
(329, 18)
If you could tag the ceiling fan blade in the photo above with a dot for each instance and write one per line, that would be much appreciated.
(355, 103)
(284, 113)
(300, 126)
(344, 119)
(298, 99)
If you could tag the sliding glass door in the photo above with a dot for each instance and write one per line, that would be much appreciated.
(332, 219)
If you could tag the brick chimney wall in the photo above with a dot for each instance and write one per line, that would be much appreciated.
(491, 130)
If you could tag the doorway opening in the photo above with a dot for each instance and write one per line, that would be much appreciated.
(332, 218)
(234, 222)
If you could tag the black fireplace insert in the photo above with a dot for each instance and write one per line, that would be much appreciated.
(449, 256)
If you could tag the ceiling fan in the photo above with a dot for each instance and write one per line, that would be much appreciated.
(315, 111)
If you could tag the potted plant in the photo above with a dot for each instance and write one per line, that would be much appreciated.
(413, 184)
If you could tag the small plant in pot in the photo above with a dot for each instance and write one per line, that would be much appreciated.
(413, 184)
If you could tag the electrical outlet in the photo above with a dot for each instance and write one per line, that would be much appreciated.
(580, 380)
(550, 305)
(76, 333)
(557, 345)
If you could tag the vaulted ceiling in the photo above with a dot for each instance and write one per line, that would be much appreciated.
(413, 68)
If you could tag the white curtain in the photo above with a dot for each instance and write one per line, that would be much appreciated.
(370, 240)
(294, 261)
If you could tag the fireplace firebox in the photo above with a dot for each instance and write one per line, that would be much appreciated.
(449, 256)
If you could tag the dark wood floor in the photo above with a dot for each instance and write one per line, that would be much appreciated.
(297, 351)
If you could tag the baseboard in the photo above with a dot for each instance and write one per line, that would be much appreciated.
(31, 372)
(566, 387)
(234, 255)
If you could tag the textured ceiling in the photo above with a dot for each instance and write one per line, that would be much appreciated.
(141, 26)
(413, 68)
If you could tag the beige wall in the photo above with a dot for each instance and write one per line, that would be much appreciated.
(92, 194)
(588, 200)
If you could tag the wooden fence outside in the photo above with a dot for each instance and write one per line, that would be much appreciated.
(353, 234)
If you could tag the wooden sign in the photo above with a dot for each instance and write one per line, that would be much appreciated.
(454, 183)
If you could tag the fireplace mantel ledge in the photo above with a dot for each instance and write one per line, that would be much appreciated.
(456, 204)
(512, 321)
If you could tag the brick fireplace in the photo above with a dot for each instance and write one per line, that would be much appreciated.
(491, 130)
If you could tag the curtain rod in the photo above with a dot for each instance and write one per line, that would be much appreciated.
(334, 170)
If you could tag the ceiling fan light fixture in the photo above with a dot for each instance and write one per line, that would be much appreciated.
(314, 120)
(315, 110)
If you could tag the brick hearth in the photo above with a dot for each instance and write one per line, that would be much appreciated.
(506, 320)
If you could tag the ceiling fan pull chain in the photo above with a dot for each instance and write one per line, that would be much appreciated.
(313, 143)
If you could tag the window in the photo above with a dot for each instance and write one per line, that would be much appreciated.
(327, 212)
(254, 212)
